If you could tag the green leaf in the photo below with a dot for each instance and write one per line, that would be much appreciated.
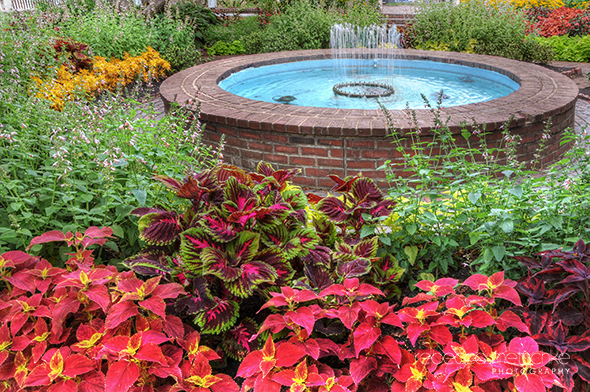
(140, 195)
(118, 231)
(367, 231)
(51, 210)
(507, 226)
(15, 206)
(474, 197)
(411, 228)
(474, 237)
(516, 191)
(499, 252)
(488, 255)
(412, 252)
(508, 173)
(386, 240)
(67, 198)
(436, 240)
(556, 221)
(430, 216)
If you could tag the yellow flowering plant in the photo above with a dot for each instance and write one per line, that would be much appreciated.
(104, 75)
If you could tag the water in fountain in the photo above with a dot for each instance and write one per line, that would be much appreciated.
(364, 55)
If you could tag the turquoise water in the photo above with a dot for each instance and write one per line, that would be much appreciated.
(310, 84)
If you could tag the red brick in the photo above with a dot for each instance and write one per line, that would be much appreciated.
(325, 183)
(373, 174)
(232, 141)
(250, 135)
(376, 154)
(287, 149)
(302, 161)
(276, 158)
(360, 143)
(331, 142)
(360, 164)
(330, 162)
(214, 137)
(305, 181)
(227, 131)
(321, 152)
(336, 153)
(252, 155)
(260, 146)
(313, 172)
(276, 139)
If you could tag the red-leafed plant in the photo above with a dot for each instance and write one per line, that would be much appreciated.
(557, 22)
(91, 328)
(73, 53)
(343, 337)
(244, 233)
(557, 309)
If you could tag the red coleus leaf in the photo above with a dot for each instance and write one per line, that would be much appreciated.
(364, 337)
(50, 236)
(77, 364)
(100, 295)
(152, 353)
(121, 376)
(174, 327)
(303, 317)
(390, 347)
(508, 293)
(348, 314)
(155, 305)
(510, 319)
(250, 365)
(23, 280)
(119, 313)
(439, 288)
(288, 354)
(64, 386)
(481, 319)
(170, 290)
(361, 367)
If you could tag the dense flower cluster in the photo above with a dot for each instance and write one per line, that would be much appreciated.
(529, 4)
(104, 75)
(557, 22)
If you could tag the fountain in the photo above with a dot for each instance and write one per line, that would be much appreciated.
(367, 70)
(288, 130)
(351, 47)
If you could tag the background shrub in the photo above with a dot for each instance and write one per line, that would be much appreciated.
(475, 26)
(568, 48)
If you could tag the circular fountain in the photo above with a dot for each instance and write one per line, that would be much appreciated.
(346, 141)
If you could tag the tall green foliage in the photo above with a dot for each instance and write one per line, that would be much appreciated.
(475, 26)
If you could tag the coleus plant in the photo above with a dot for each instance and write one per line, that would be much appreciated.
(91, 328)
(243, 234)
(557, 309)
(453, 343)
(340, 225)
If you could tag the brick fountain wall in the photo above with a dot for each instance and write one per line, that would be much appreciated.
(343, 142)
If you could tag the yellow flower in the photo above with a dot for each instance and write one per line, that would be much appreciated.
(105, 75)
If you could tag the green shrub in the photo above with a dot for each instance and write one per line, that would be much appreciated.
(306, 25)
(197, 17)
(181, 57)
(109, 33)
(88, 165)
(233, 30)
(165, 32)
(475, 26)
(222, 48)
(568, 48)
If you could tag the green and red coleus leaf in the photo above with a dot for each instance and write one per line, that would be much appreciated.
(219, 317)
(159, 228)
(251, 275)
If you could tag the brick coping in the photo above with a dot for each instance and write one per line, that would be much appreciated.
(542, 94)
